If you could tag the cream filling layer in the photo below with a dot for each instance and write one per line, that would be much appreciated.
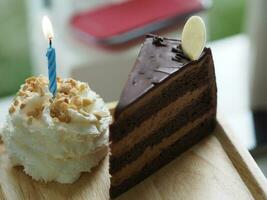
(152, 152)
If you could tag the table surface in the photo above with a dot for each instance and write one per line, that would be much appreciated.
(232, 73)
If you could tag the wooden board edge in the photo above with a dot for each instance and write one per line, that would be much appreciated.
(243, 162)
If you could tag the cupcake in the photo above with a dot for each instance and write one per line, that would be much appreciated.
(56, 138)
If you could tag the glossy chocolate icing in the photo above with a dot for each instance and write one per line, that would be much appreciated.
(158, 59)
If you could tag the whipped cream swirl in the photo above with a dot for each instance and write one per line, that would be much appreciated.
(55, 139)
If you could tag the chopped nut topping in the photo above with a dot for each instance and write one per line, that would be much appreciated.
(65, 88)
(21, 93)
(25, 87)
(72, 82)
(12, 109)
(33, 84)
(86, 102)
(100, 114)
(59, 80)
(73, 107)
(69, 96)
(83, 112)
(22, 106)
(77, 101)
(36, 113)
(83, 86)
(66, 100)
(30, 89)
(64, 106)
(64, 118)
(73, 91)
(30, 79)
(16, 102)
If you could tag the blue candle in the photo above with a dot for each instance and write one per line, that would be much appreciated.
(51, 56)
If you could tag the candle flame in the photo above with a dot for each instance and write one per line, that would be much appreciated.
(47, 28)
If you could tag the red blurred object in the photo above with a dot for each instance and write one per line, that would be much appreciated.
(119, 23)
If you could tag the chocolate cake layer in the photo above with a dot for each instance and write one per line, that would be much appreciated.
(147, 127)
(196, 109)
(177, 87)
(168, 154)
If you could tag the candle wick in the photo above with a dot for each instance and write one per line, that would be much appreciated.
(50, 42)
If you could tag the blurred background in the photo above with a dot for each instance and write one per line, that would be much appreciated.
(98, 41)
(17, 18)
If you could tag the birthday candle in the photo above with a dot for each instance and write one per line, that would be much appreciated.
(51, 56)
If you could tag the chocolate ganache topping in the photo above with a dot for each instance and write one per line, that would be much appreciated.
(158, 59)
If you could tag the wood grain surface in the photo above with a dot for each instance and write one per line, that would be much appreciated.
(216, 168)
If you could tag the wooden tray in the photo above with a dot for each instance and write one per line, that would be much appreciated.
(216, 168)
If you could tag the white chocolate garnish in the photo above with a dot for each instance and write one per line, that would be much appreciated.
(194, 37)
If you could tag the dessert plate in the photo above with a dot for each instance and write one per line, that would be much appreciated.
(217, 167)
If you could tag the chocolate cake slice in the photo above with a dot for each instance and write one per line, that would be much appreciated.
(168, 104)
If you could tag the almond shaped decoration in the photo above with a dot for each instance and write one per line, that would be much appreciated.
(194, 37)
